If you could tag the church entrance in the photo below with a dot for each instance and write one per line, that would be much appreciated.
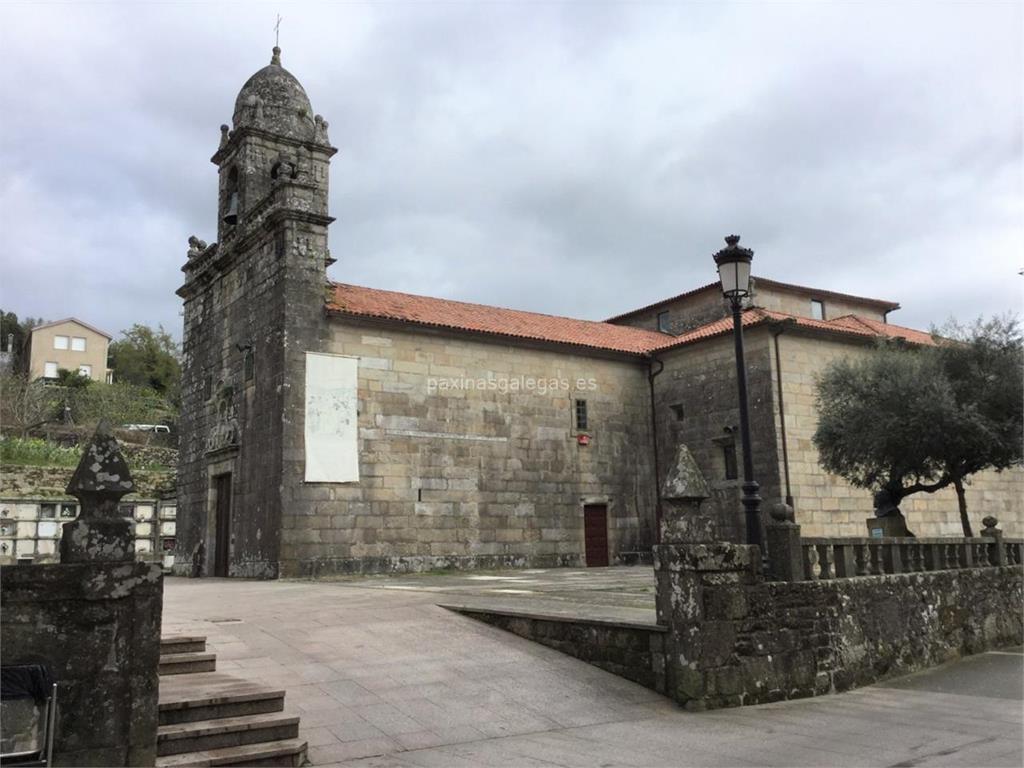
(222, 531)
(595, 534)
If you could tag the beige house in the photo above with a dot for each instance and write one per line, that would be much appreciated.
(69, 344)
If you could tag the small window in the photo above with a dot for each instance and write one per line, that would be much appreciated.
(817, 309)
(60, 342)
(663, 324)
(77, 344)
(248, 364)
(581, 414)
(729, 454)
(50, 371)
(48, 510)
(677, 411)
(85, 370)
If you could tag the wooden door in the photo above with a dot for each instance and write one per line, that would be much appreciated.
(222, 542)
(595, 534)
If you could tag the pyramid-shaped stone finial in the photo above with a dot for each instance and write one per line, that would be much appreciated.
(682, 521)
(102, 469)
(100, 533)
(685, 481)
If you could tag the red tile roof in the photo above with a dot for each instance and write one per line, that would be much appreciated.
(358, 301)
(851, 325)
(459, 315)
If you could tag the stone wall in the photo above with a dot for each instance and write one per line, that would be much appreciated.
(826, 505)
(697, 404)
(459, 476)
(736, 639)
(97, 628)
(633, 651)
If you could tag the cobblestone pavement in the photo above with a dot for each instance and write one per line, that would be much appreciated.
(382, 676)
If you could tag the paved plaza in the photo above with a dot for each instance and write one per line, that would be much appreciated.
(383, 676)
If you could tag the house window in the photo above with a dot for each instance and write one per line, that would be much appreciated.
(729, 454)
(60, 342)
(581, 414)
(50, 371)
(77, 344)
(85, 370)
(817, 309)
(663, 325)
(48, 510)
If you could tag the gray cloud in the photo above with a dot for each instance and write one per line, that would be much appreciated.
(566, 158)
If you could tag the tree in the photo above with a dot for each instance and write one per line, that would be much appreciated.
(917, 419)
(148, 358)
(983, 364)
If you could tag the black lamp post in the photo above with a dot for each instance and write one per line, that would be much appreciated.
(734, 272)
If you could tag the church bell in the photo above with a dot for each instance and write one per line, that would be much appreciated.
(231, 215)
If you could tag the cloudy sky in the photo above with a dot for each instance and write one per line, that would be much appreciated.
(571, 158)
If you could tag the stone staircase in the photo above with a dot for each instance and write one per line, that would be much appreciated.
(208, 718)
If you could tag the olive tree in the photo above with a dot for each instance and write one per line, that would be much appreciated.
(908, 419)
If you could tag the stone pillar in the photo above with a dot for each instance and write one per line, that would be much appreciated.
(701, 589)
(100, 533)
(94, 621)
(785, 553)
(702, 592)
(991, 532)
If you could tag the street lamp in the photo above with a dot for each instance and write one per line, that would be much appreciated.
(734, 272)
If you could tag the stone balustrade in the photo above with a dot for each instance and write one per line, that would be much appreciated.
(794, 558)
(838, 558)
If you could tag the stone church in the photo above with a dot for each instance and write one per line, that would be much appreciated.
(332, 428)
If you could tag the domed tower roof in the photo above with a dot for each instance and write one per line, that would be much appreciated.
(275, 101)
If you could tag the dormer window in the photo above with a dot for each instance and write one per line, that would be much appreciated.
(817, 309)
(663, 324)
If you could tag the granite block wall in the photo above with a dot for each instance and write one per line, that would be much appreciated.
(97, 628)
(455, 474)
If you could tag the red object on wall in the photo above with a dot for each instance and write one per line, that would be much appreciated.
(583, 439)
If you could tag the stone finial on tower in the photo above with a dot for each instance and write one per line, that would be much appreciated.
(102, 477)
(275, 57)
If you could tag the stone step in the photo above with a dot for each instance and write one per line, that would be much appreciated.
(287, 752)
(223, 732)
(182, 644)
(209, 695)
(185, 663)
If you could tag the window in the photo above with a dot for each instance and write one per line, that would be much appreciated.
(248, 364)
(77, 344)
(50, 371)
(581, 414)
(47, 510)
(729, 454)
(60, 342)
(817, 309)
(663, 324)
(85, 370)
(678, 411)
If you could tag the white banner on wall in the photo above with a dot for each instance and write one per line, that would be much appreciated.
(332, 435)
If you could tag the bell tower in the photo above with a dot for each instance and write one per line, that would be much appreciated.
(253, 308)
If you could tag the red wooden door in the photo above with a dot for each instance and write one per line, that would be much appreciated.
(595, 534)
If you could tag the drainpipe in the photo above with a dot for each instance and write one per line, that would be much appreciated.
(651, 375)
(777, 330)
